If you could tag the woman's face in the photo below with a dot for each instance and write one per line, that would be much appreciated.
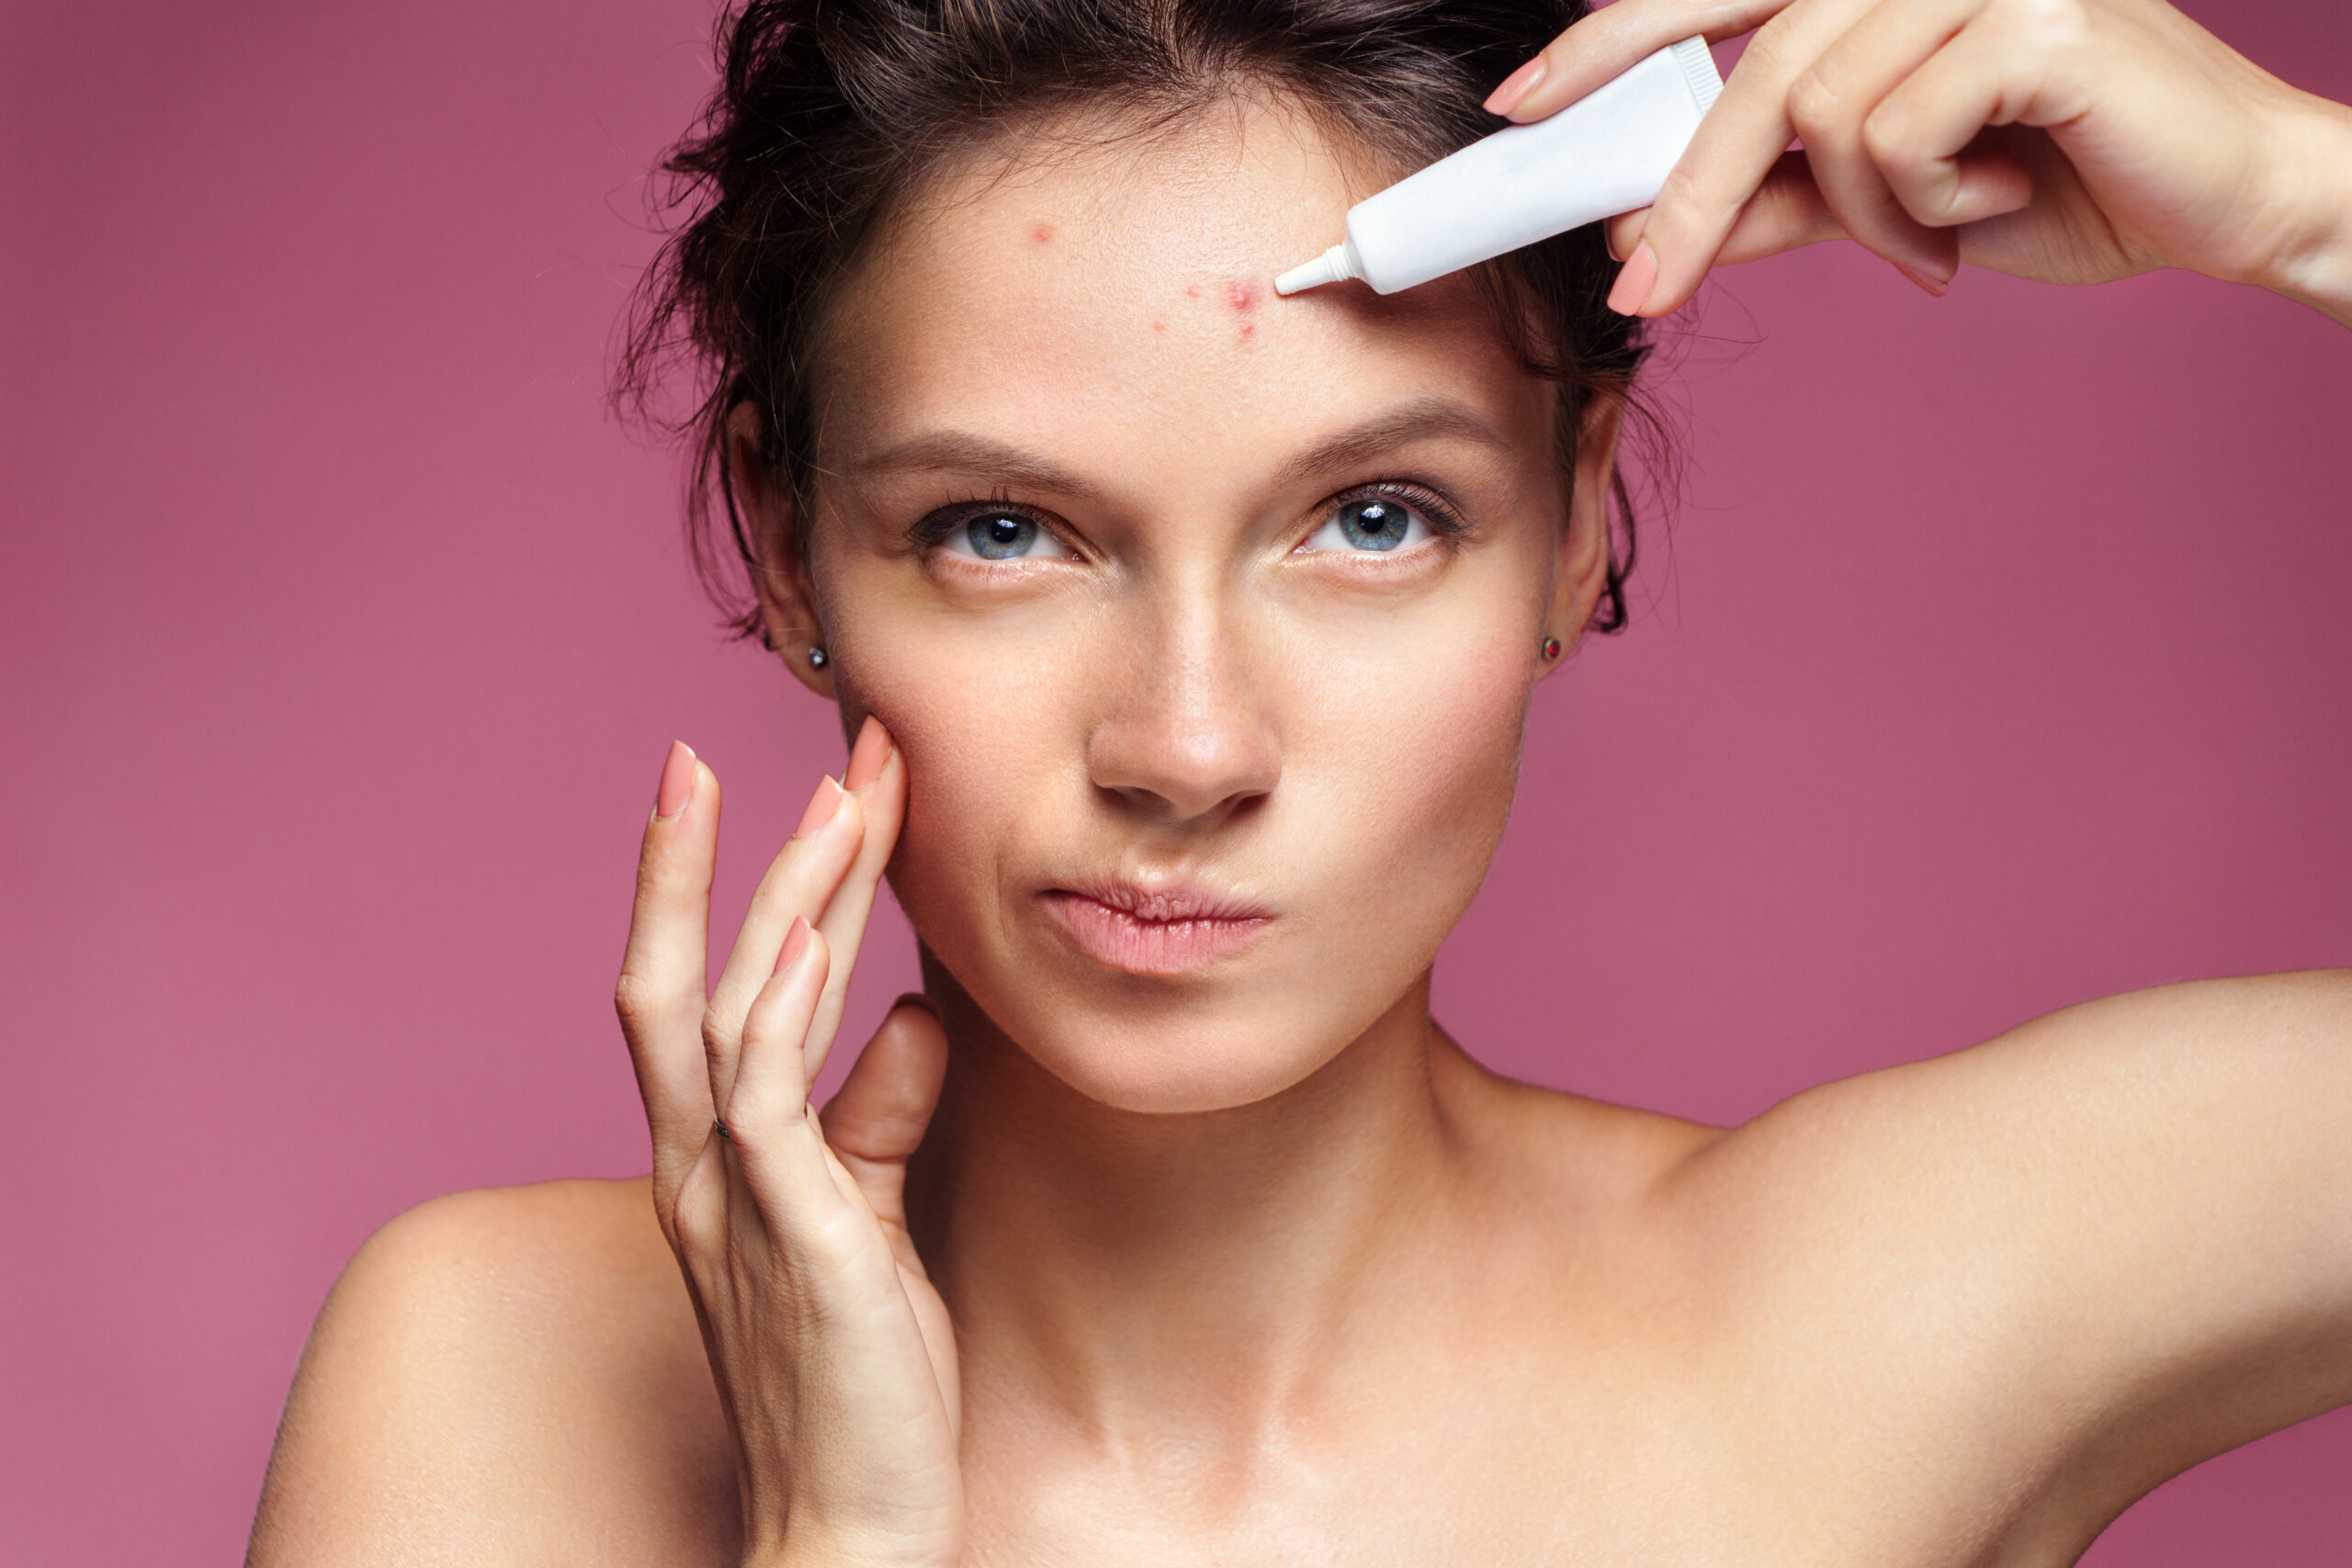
(1205, 619)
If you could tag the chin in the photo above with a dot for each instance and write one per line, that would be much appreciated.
(1155, 1045)
(1175, 1062)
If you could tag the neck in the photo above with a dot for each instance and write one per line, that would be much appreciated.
(1134, 1270)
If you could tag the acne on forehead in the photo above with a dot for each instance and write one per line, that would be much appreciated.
(1235, 298)
(1242, 295)
(1083, 289)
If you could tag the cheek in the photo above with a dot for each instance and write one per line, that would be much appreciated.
(979, 722)
(1405, 770)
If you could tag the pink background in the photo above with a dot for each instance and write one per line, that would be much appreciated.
(1999, 659)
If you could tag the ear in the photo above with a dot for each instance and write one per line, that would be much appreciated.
(788, 598)
(1581, 571)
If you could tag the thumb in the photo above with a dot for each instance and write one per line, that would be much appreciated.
(878, 1117)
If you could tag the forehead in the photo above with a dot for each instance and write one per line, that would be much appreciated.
(1110, 294)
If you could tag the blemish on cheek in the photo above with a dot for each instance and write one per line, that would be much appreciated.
(1042, 233)
(1159, 326)
(1243, 293)
(1249, 327)
(1194, 289)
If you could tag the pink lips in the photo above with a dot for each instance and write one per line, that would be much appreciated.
(1166, 932)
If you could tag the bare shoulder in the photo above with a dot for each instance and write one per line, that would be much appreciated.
(2108, 1244)
(510, 1375)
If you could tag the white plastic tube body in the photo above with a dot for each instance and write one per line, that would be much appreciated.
(1608, 153)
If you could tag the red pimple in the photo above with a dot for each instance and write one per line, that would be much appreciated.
(1249, 327)
(1241, 294)
(1045, 231)
(1159, 326)
(1194, 289)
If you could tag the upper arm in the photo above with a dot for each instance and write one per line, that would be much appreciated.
(2106, 1246)
(497, 1377)
(2195, 1241)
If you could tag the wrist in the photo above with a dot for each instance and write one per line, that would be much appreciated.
(2311, 261)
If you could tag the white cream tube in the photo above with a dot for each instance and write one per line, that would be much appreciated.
(1608, 153)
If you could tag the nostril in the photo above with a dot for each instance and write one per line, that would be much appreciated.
(1184, 773)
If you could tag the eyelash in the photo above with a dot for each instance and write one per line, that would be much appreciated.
(1444, 521)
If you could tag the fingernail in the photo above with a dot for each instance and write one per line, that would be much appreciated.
(866, 757)
(1635, 280)
(677, 781)
(822, 807)
(795, 942)
(1936, 286)
(1515, 86)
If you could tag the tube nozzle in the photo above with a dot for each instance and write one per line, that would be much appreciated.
(1329, 267)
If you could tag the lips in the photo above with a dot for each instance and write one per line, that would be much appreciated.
(1166, 930)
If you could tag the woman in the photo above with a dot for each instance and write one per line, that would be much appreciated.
(1185, 638)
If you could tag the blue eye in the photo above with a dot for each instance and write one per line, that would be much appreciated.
(1373, 523)
(1002, 535)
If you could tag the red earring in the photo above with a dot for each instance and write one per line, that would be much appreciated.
(1551, 647)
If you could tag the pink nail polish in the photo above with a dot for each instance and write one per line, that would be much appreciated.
(1634, 281)
(1515, 86)
(677, 781)
(1936, 288)
(795, 942)
(866, 757)
(822, 807)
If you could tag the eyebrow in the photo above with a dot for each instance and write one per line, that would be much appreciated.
(1423, 418)
(950, 451)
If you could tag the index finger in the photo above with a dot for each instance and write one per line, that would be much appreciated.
(1613, 39)
(1735, 149)
(660, 993)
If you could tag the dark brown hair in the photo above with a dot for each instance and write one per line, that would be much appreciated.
(831, 110)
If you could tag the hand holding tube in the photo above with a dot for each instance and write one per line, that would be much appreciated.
(833, 1356)
(2066, 141)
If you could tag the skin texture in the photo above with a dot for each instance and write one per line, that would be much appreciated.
(1248, 1262)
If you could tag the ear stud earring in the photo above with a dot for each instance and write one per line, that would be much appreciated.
(1551, 647)
(817, 658)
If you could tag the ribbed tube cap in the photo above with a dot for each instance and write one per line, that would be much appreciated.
(1328, 267)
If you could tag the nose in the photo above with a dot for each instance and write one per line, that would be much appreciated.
(1186, 732)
